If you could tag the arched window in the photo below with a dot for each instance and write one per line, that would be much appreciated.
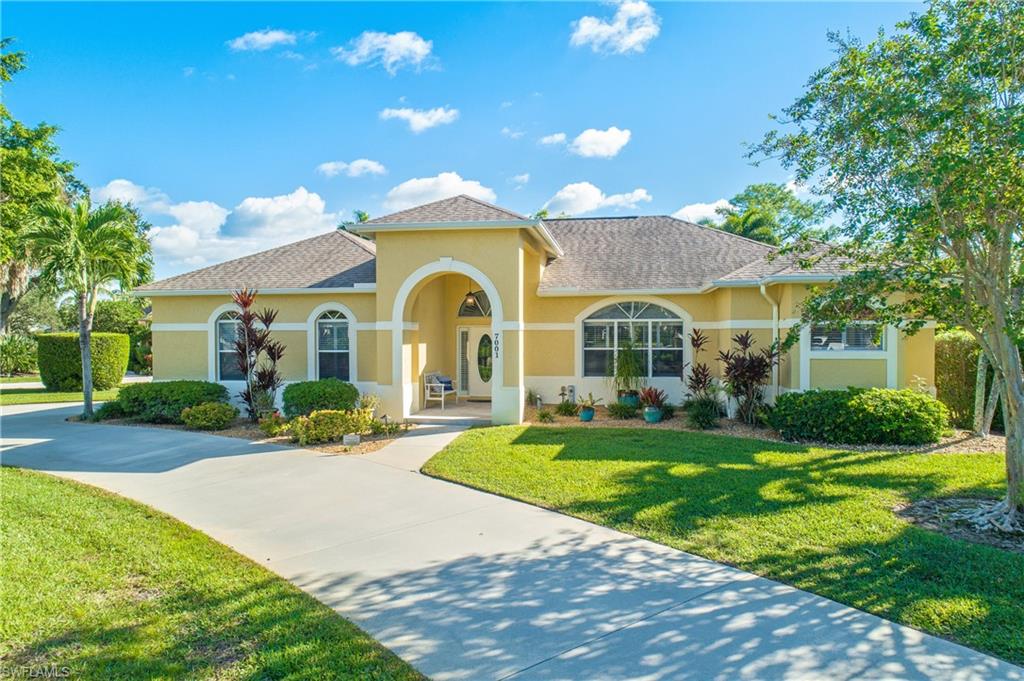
(227, 357)
(655, 332)
(332, 351)
(476, 304)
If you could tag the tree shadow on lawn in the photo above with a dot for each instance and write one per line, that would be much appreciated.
(261, 629)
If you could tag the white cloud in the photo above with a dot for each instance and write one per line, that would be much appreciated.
(634, 25)
(260, 41)
(520, 179)
(390, 50)
(583, 197)
(357, 168)
(126, 191)
(203, 232)
(696, 212)
(421, 190)
(511, 134)
(422, 119)
(593, 143)
(555, 138)
(188, 71)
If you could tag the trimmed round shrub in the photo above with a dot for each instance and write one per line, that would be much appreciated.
(305, 397)
(209, 416)
(163, 401)
(17, 354)
(60, 361)
(860, 416)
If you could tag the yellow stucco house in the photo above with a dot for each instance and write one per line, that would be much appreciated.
(503, 303)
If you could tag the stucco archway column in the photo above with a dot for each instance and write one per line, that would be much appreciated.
(507, 381)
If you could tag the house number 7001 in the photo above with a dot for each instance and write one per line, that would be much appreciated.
(496, 350)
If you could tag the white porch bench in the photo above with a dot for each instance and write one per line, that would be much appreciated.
(436, 390)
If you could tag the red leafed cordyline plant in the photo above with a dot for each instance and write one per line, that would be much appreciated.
(653, 397)
(257, 355)
(700, 381)
(746, 372)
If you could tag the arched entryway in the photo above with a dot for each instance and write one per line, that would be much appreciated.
(407, 364)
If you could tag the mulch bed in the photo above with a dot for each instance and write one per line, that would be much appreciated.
(935, 515)
(246, 430)
(960, 442)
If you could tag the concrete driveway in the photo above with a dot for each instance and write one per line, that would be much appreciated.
(466, 585)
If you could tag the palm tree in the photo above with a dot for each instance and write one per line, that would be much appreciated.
(83, 251)
(753, 224)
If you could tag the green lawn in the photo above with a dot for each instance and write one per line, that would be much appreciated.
(41, 395)
(818, 519)
(115, 590)
(25, 378)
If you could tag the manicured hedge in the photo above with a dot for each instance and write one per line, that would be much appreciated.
(305, 397)
(956, 366)
(17, 354)
(60, 361)
(162, 402)
(209, 416)
(860, 416)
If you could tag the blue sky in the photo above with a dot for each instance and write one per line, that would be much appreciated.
(239, 126)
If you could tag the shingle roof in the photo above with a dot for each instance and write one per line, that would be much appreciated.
(641, 253)
(819, 262)
(459, 208)
(333, 260)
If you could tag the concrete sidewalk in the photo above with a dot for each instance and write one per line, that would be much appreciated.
(467, 585)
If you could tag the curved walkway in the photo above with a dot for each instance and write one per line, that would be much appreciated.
(466, 585)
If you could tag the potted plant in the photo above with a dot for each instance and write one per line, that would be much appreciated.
(653, 401)
(628, 374)
(587, 407)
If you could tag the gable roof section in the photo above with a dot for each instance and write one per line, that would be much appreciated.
(657, 253)
(461, 208)
(336, 259)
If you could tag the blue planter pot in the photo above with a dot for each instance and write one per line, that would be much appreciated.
(587, 414)
(652, 414)
(630, 400)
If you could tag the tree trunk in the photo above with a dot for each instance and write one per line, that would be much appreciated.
(84, 338)
(979, 394)
(1009, 363)
(14, 276)
(994, 395)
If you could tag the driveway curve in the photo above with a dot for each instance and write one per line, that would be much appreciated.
(467, 585)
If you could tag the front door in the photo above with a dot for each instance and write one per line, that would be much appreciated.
(476, 358)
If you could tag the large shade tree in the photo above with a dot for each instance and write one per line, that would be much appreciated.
(84, 252)
(31, 172)
(918, 137)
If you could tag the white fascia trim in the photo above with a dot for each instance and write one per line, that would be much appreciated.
(370, 228)
(768, 281)
(572, 292)
(359, 288)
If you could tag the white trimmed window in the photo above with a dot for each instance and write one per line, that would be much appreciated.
(228, 325)
(854, 337)
(656, 333)
(332, 346)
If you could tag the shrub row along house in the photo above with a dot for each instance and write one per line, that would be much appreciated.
(503, 303)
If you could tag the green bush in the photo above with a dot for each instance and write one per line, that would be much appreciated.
(567, 408)
(305, 397)
(545, 416)
(703, 412)
(209, 416)
(273, 424)
(163, 402)
(956, 366)
(329, 425)
(860, 416)
(618, 410)
(111, 316)
(60, 362)
(17, 354)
